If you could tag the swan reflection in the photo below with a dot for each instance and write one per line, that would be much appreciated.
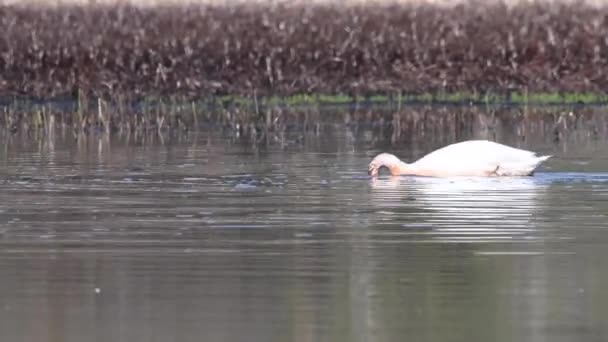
(476, 208)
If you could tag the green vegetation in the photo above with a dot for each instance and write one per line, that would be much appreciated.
(464, 98)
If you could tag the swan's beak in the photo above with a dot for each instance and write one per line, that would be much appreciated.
(372, 170)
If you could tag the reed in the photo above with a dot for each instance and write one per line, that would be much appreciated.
(409, 123)
(263, 69)
(322, 52)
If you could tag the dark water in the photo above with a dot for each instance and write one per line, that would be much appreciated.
(201, 238)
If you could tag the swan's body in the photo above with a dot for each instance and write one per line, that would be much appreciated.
(468, 158)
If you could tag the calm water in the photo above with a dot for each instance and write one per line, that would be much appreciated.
(204, 239)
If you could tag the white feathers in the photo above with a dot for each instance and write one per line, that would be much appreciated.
(476, 158)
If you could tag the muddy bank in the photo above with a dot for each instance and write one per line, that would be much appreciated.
(205, 50)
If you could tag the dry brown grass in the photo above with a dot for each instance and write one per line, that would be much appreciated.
(197, 50)
(149, 3)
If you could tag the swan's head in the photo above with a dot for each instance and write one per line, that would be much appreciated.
(391, 162)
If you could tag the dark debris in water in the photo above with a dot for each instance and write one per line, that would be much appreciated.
(248, 183)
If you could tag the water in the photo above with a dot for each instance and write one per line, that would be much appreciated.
(201, 238)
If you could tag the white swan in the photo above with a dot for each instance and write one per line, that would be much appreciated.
(467, 158)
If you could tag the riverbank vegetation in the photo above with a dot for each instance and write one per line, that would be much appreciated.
(540, 51)
(273, 123)
(263, 66)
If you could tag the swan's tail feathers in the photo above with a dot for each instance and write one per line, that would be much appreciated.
(539, 160)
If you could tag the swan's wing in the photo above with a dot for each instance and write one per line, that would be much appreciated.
(477, 156)
(476, 151)
(521, 168)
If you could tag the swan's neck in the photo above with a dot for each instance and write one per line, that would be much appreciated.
(395, 166)
(400, 168)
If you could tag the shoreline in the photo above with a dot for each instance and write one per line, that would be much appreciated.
(302, 100)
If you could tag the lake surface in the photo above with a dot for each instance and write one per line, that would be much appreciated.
(203, 238)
